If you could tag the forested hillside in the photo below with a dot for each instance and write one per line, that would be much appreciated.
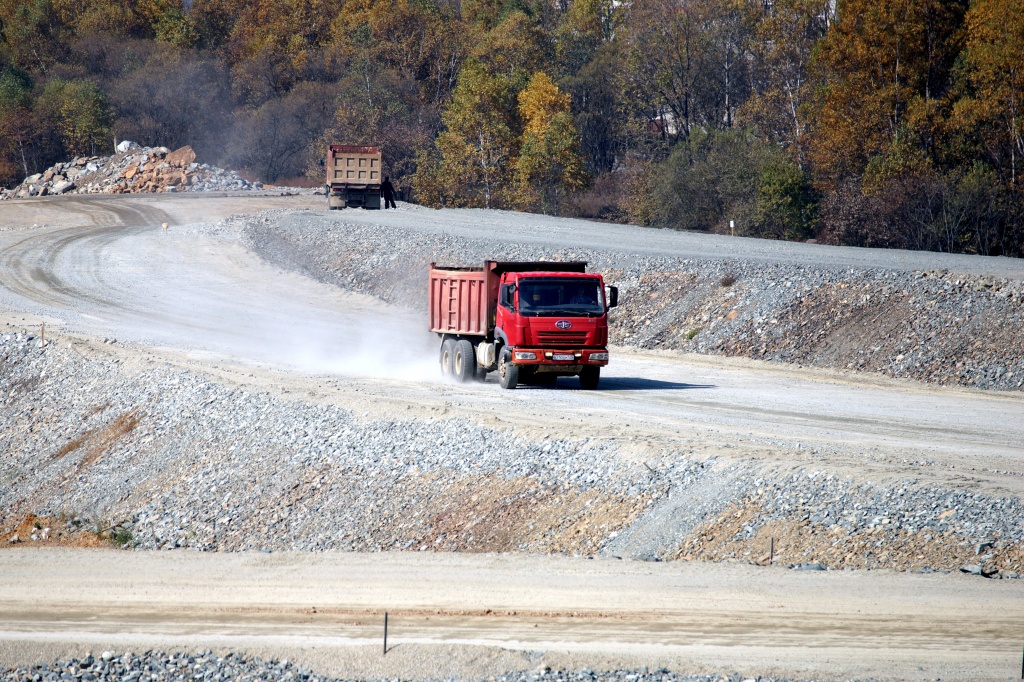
(894, 123)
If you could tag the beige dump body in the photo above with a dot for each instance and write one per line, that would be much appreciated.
(353, 176)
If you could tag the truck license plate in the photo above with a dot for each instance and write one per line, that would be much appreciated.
(563, 356)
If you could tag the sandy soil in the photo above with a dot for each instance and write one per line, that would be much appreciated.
(479, 614)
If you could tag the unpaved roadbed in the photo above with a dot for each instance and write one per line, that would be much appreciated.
(325, 612)
(196, 399)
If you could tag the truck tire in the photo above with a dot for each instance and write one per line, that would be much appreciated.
(447, 356)
(464, 361)
(508, 373)
(590, 377)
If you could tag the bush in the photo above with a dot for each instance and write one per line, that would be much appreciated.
(707, 180)
(786, 207)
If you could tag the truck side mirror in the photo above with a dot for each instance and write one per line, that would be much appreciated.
(321, 163)
(613, 297)
(508, 296)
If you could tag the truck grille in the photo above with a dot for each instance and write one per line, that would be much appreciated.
(562, 338)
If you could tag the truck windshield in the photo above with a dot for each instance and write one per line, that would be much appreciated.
(550, 296)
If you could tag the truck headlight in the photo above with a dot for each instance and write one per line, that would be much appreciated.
(525, 355)
(598, 357)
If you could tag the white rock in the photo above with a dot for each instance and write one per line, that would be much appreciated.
(125, 145)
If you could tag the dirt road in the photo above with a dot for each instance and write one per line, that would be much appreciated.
(194, 298)
(203, 301)
(476, 615)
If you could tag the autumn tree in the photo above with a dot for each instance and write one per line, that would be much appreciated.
(273, 142)
(476, 147)
(783, 44)
(583, 29)
(549, 165)
(885, 68)
(276, 43)
(174, 98)
(32, 34)
(687, 63)
(993, 108)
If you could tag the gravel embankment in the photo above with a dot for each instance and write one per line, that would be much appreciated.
(934, 326)
(160, 458)
(158, 666)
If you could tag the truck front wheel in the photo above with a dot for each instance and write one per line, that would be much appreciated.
(464, 366)
(447, 356)
(589, 378)
(508, 373)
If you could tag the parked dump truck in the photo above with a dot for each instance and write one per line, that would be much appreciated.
(353, 176)
(530, 322)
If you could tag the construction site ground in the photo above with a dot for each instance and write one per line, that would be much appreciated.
(527, 566)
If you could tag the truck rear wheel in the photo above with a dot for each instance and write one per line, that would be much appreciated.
(508, 373)
(464, 366)
(447, 356)
(589, 378)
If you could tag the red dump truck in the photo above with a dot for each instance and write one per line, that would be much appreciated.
(353, 176)
(530, 322)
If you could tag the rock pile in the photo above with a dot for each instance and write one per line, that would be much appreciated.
(133, 169)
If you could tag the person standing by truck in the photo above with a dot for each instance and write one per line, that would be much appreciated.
(387, 190)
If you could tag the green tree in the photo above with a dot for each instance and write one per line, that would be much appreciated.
(15, 124)
(708, 179)
(79, 112)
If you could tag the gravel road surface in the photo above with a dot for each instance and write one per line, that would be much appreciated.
(237, 385)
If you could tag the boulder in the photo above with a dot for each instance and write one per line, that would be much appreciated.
(62, 187)
(181, 157)
(125, 145)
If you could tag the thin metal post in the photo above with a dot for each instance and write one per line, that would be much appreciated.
(42, 335)
(771, 553)
(385, 632)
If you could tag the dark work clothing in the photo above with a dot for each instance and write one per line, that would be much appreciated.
(387, 190)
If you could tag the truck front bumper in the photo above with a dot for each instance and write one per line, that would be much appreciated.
(567, 358)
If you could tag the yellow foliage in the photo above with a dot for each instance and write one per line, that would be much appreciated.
(540, 102)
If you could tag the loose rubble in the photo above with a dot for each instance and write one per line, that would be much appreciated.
(133, 169)
(159, 666)
(161, 458)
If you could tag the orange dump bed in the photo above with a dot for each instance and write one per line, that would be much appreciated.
(459, 301)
